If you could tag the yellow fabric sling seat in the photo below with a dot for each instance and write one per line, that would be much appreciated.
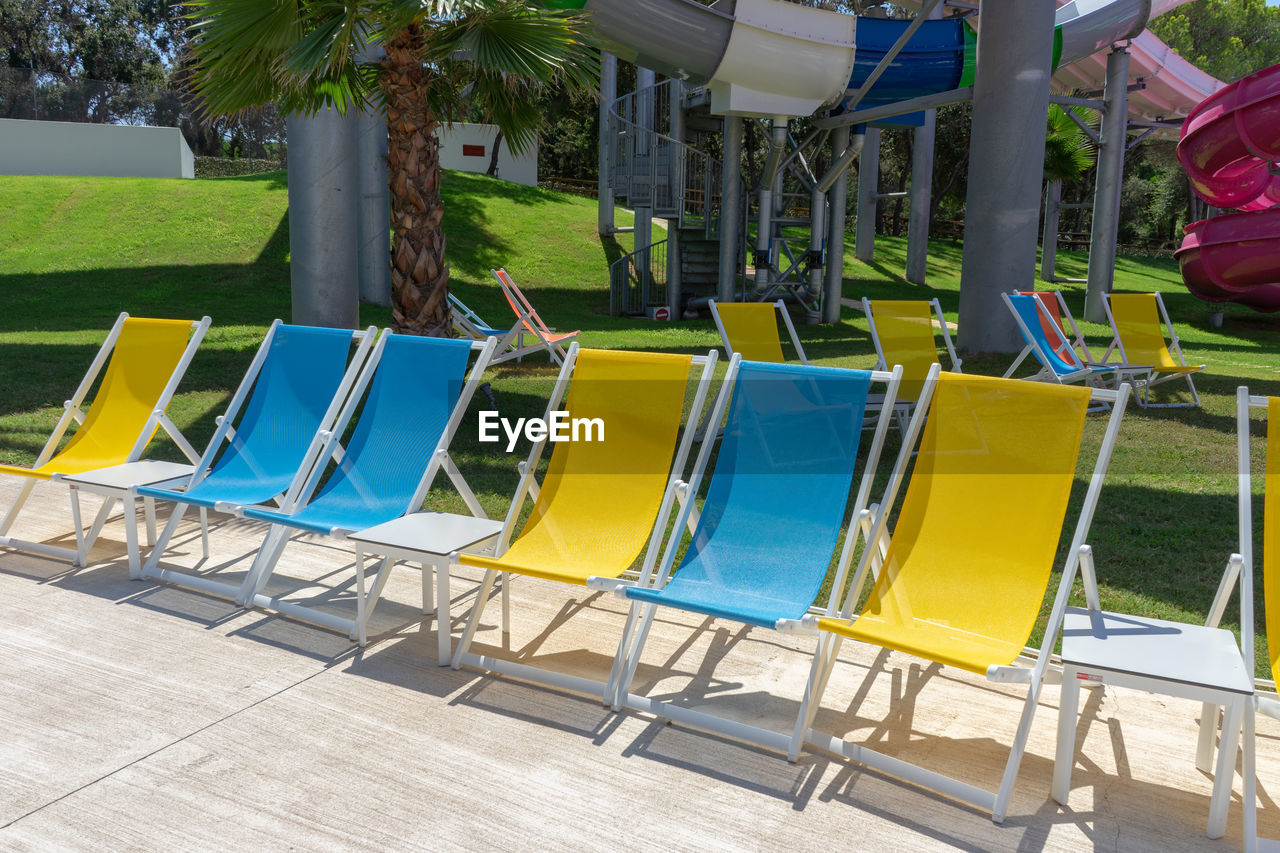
(144, 358)
(964, 574)
(902, 330)
(598, 502)
(140, 364)
(750, 329)
(1139, 322)
(969, 561)
(603, 502)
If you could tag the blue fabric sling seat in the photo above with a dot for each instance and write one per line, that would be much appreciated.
(1028, 310)
(413, 392)
(773, 513)
(302, 373)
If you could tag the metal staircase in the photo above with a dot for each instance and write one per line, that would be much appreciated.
(649, 167)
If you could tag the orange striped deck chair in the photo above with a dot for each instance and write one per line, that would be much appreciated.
(528, 325)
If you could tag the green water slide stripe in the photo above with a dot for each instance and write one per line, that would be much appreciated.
(1057, 46)
(970, 56)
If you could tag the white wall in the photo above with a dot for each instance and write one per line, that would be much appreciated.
(520, 170)
(113, 150)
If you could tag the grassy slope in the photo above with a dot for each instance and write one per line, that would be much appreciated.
(74, 252)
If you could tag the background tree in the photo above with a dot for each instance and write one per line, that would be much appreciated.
(443, 59)
(1227, 38)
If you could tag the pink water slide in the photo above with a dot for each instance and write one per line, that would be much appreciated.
(1229, 144)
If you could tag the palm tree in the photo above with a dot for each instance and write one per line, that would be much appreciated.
(444, 59)
(1068, 150)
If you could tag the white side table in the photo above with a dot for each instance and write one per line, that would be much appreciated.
(430, 538)
(120, 483)
(1172, 658)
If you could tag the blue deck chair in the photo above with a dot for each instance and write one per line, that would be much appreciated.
(293, 390)
(1059, 365)
(764, 541)
(418, 392)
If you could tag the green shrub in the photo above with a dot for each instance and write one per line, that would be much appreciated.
(222, 167)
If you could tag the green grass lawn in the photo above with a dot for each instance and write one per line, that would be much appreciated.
(74, 252)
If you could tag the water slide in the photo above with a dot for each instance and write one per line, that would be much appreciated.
(768, 58)
(1228, 145)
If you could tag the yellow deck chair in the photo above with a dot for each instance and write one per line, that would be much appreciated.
(602, 503)
(750, 329)
(141, 363)
(1138, 323)
(968, 565)
(902, 331)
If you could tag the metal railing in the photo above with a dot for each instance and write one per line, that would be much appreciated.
(638, 281)
(649, 168)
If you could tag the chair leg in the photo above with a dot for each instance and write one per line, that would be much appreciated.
(379, 583)
(82, 553)
(149, 510)
(263, 566)
(616, 687)
(157, 550)
(16, 506)
(506, 602)
(1068, 713)
(204, 532)
(824, 658)
(1005, 793)
(482, 597)
(1249, 798)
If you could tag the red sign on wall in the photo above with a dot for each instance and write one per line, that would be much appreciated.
(473, 151)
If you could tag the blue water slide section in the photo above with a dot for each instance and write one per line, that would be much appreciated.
(932, 61)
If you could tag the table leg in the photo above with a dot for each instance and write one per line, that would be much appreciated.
(444, 624)
(1068, 711)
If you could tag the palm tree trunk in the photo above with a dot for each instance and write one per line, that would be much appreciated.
(419, 274)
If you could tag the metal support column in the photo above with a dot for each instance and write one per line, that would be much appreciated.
(675, 283)
(1049, 233)
(921, 190)
(837, 199)
(730, 202)
(767, 206)
(1006, 165)
(642, 236)
(864, 237)
(608, 144)
(322, 204)
(1110, 177)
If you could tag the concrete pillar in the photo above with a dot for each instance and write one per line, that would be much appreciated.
(322, 219)
(730, 201)
(864, 236)
(608, 142)
(921, 190)
(1106, 192)
(373, 219)
(837, 199)
(1006, 165)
